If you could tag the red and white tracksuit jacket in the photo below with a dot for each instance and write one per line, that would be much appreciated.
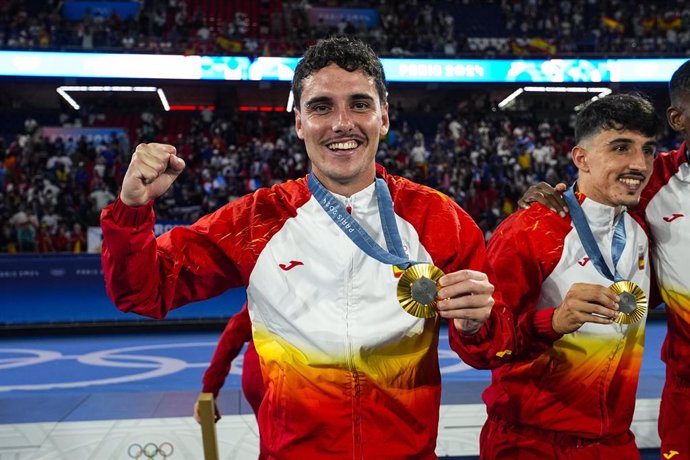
(347, 372)
(580, 384)
(665, 205)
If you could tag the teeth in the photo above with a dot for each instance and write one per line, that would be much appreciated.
(632, 182)
(349, 145)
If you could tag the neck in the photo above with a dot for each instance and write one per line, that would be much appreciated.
(346, 189)
(592, 195)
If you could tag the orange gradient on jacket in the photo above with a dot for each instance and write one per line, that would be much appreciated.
(308, 387)
(678, 301)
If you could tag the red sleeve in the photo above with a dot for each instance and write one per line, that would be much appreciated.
(237, 332)
(486, 348)
(151, 276)
(491, 346)
(252, 378)
(523, 251)
(454, 242)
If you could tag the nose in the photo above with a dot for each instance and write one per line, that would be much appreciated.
(639, 161)
(342, 121)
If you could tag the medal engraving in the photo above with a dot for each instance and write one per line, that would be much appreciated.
(424, 291)
(417, 289)
(627, 302)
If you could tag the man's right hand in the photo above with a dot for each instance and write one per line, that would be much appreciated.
(153, 169)
(197, 412)
(585, 303)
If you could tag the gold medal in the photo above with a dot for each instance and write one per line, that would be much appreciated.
(632, 303)
(417, 289)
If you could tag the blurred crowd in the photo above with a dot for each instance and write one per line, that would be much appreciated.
(51, 190)
(282, 28)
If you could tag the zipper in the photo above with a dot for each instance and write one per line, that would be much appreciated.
(356, 401)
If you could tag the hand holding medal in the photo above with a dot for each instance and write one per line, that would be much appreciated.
(466, 295)
(632, 300)
(585, 303)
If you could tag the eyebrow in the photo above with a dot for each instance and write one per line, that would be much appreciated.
(317, 100)
(619, 140)
(625, 140)
(361, 96)
(327, 99)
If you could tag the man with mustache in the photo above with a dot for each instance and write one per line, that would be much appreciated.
(666, 209)
(348, 372)
(579, 283)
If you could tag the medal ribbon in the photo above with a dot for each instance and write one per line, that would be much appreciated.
(395, 254)
(588, 241)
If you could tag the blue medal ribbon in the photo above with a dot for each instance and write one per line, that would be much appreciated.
(395, 254)
(588, 241)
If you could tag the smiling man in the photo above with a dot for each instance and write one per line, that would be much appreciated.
(665, 207)
(348, 372)
(578, 286)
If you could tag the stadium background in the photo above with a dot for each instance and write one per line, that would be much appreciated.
(457, 132)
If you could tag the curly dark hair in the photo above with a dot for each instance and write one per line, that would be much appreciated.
(679, 86)
(348, 53)
(630, 111)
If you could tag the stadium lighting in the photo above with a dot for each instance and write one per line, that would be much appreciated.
(68, 98)
(604, 92)
(64, 92)
(599, 93)
(510, 98)
(290, 102)
(164, 100)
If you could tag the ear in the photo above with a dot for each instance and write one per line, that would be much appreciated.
(676, 118)
(298, 124)
(385, 121)
(579, 155)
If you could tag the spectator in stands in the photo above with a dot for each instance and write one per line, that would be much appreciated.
(61, 239)
(77, 239)
(100, 198)
(507, 28)
(575, 398)
(282, 245)
(25, 224)
(44, 240)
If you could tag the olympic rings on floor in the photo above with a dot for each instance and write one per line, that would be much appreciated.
(150, 450)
